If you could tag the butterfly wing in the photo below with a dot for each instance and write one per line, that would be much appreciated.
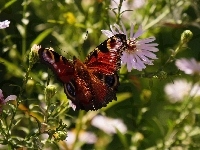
(62, 68)
(106, 58)
(97, 79)
(89, 91)
(92, 94)
(93, 84)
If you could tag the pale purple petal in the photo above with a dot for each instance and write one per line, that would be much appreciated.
(84, 136)
(132, 28)
(11, 97)
(140, 64)
(149, 45)
(107, 33)
(118, 28)
(113, 30)
(188, 66)
(4, 24)
(138, 33)
(147, 40)
(145, 59)
(72, 105)
(148, 54)
(128, 59)
(1, 96)
(124, 58)
(108, 125)
(177, 90)
(146, 47)
(88, 137)
(180, 89)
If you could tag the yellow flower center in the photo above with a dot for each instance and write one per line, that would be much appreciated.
(131, 45)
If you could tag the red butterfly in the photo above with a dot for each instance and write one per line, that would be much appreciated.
(92, 84)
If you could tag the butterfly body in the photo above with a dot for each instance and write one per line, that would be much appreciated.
(92, 84)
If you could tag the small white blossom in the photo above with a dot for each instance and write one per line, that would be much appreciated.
(139, 52)
(72, 105)
(4, 24)
(85, 137)
(189, 66)
(177, 91)
(35, 47)
(109, 125)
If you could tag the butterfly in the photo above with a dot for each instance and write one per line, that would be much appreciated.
(92, 84)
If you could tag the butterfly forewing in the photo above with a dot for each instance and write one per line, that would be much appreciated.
(106, 58)
(62, 67)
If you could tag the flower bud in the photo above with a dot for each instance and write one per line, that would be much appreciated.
(61, 135)
(50, 91)
(137, 137)
(162, 75)
(30, 85)
(70, 18)
(33, 55)
(145, 95)
(186, 36)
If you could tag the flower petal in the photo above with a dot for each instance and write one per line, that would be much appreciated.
(11, 97)
(118, 28)
(188, 66)
(72, 105)
(107, 33)
(1, 96)
(147, 40)
(138, 33)
(131, 33)
(4, 24)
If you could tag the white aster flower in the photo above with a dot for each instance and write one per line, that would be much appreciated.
(177, 91)
(4, 24)
(139, 53)
(189, 66)
(84, 137)
(109, 125)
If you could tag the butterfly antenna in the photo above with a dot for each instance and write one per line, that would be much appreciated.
(81, 52)
(57, 46)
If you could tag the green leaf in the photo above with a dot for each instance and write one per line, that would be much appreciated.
(21, 29)
(7, 5)
(41, 36)
(12, 68)
(122, 138)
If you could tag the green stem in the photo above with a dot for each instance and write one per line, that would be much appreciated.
(19, 98)
(24, 35)
(185, 110)
(78, 128)
(119, 12)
